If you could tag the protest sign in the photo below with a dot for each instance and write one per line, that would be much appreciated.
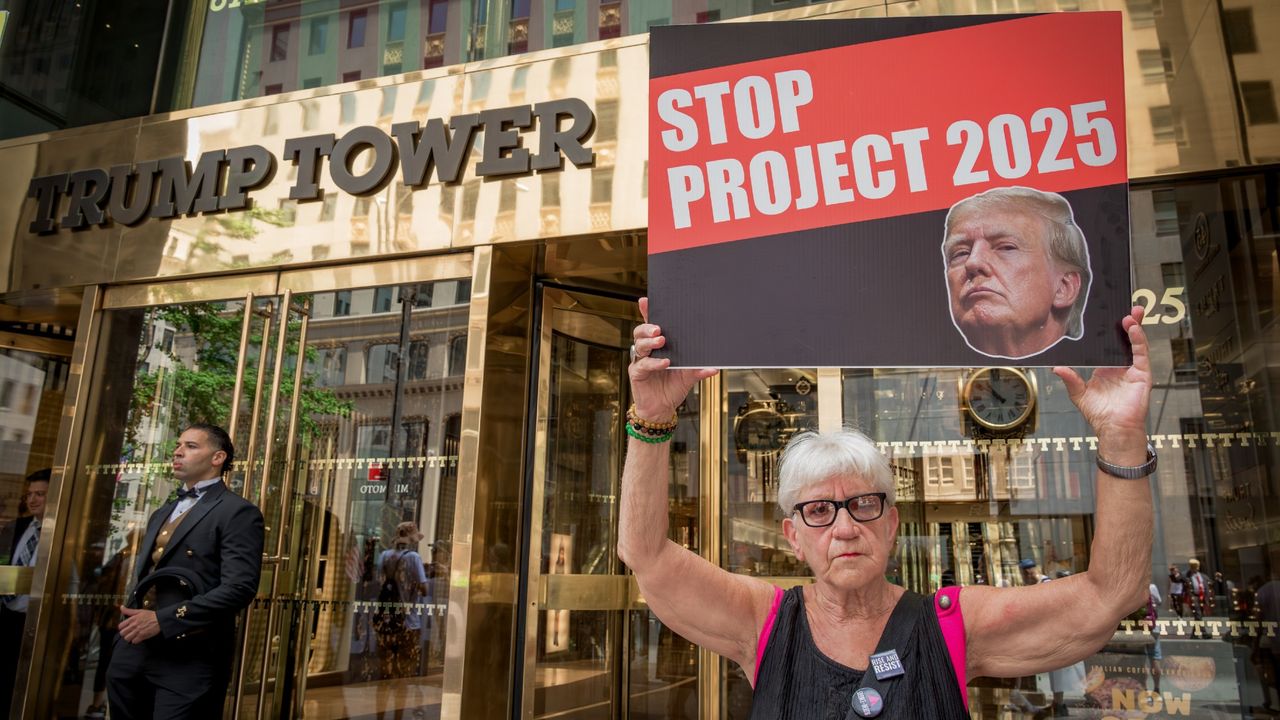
(945, 191)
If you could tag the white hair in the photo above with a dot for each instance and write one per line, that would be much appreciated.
(811, 457)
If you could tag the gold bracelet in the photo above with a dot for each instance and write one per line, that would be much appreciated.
(641, 423)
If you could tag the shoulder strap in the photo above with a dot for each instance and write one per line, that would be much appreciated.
(766, 631)
(952, 621)
(896, 637)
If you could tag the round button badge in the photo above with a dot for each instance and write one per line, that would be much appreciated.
(867, 702)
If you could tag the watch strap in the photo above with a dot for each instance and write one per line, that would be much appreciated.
(1130, 472)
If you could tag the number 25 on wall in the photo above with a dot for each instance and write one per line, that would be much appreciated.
(1174, 309)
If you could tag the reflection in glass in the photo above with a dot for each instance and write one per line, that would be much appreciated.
(584, 655)
(663, 680)
(765, 409)
(371, 454)
(577, 649)
(32, 391)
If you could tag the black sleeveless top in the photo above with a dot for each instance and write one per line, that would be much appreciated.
(797, 682)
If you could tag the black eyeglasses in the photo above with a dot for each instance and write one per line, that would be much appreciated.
(822, 513)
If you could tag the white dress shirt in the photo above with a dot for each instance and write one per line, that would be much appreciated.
(187, 503)
(18, 603)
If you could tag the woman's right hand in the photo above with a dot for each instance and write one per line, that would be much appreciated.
(656, 389)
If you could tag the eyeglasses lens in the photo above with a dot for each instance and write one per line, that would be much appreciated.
(822, 513)
(865, 508)
(819, 514)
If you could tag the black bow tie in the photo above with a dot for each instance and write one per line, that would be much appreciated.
(192, 493)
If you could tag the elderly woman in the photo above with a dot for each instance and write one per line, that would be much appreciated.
(851, 644)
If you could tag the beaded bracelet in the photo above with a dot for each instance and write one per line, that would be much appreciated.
(641, 423)
(644, 437)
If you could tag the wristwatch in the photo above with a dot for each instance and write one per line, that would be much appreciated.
(1130, 472)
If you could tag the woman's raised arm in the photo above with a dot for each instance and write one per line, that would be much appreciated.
(1020, 631)
(715, 609)
(1050, 625)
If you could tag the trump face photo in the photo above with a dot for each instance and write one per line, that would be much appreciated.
(1017, 271)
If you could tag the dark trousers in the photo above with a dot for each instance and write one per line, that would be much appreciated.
(11, 625)
(106, 645)
(166, 680)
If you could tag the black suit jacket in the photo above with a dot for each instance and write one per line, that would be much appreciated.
(12, 533)
(220, 541)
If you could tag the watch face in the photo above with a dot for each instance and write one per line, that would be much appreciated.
(999, 398)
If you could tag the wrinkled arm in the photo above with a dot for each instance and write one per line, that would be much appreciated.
(711, 607)
(715, 609)
(1021, 631)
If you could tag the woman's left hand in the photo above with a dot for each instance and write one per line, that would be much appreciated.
(1114, 400)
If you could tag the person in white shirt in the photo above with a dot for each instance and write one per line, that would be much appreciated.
(24, 538)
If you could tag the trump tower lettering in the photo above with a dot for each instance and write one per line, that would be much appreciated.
(893, 192)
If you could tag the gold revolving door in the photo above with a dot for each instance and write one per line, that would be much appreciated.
(591, 648)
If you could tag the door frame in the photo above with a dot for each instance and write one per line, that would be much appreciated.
(555, 306)
(43, 687)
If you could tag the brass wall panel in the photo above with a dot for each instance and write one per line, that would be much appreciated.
(387, 272)
(183, 291)
(277, 232)
(64, 259)
(22, 160)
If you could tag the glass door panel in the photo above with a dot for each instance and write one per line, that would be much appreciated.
(578, 648)
(766, 408)
(345, 409)
(37, 333)
(377, 462)
(158, 369)
(593, 650)
(663, 666)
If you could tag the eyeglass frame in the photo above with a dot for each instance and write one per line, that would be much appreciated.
(846, 504)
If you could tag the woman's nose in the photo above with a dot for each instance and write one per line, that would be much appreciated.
(845, 525)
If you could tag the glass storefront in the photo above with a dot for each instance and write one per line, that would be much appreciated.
(37, 336)
(338, 442)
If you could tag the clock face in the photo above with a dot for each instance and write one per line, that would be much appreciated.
(999, 398)
(759, 430)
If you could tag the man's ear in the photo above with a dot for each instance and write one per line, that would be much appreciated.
(789, 531)
(220, 461)
(1066, 290)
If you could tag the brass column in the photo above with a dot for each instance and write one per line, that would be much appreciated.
(479, 661)
(713, 404)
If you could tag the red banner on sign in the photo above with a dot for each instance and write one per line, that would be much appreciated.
(884, 128)
(924, 191)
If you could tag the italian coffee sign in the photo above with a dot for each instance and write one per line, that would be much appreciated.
(947, 191)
